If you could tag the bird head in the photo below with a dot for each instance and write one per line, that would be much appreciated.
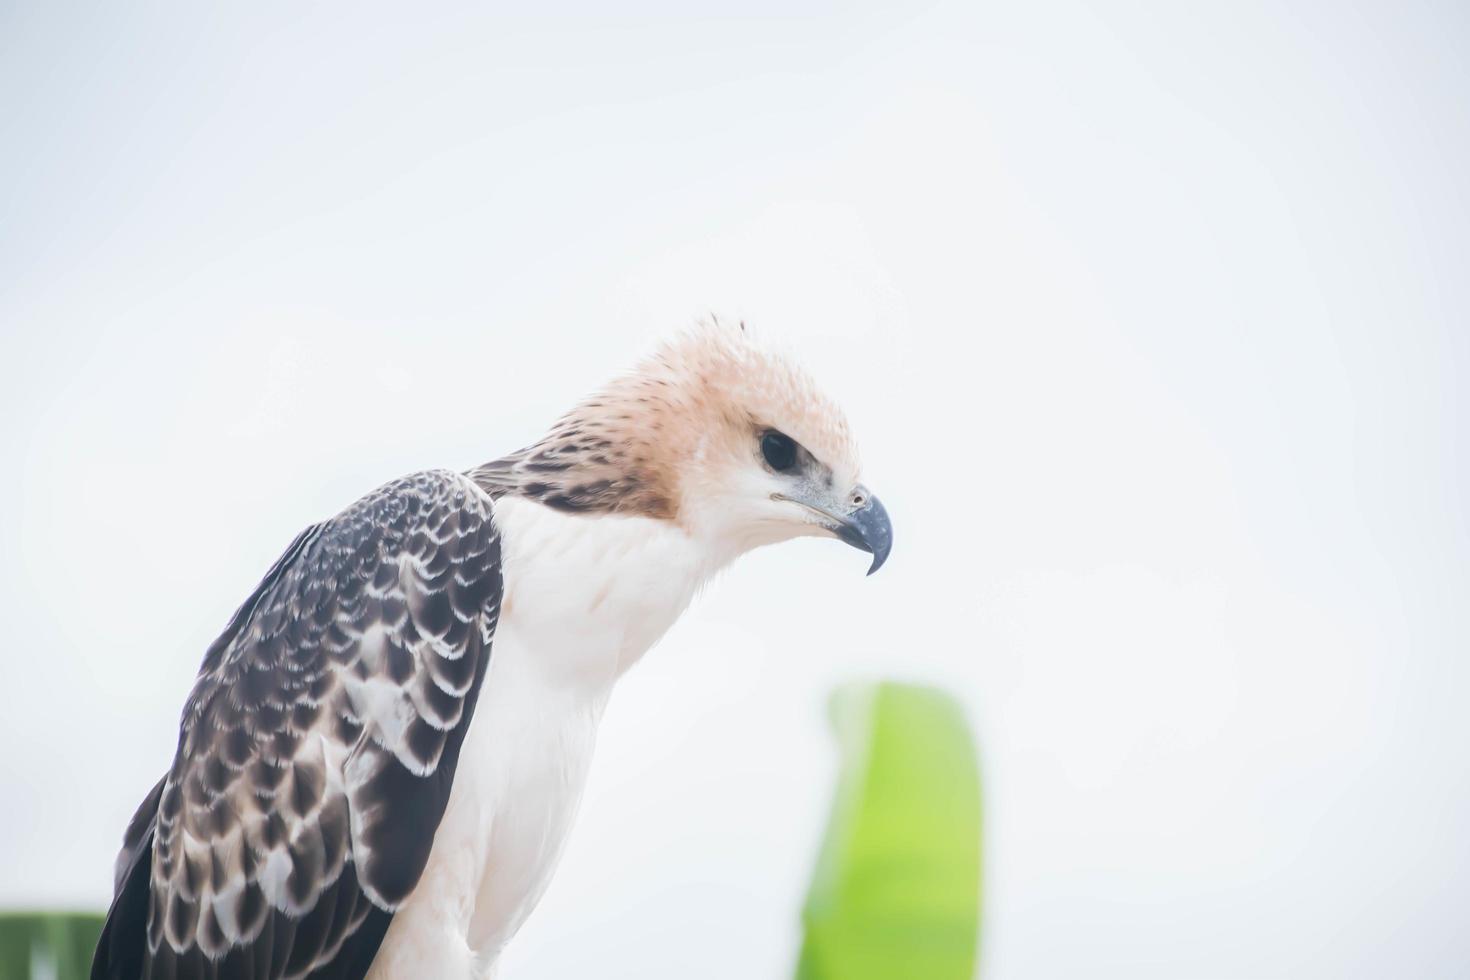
(716, 431)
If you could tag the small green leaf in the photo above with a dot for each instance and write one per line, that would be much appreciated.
(896, 892)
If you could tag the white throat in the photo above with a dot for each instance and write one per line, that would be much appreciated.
(592, 593)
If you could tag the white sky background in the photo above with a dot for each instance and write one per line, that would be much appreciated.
(1151, 317)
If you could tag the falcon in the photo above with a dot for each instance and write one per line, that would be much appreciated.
(383, 752)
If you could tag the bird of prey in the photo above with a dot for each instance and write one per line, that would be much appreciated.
(383, 752)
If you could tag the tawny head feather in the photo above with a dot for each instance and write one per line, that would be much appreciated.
(688, 436)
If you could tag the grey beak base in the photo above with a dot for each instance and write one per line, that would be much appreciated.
(868, 529)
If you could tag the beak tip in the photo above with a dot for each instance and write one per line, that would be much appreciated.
(879, 557)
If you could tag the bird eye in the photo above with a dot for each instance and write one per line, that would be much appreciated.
(779, 451)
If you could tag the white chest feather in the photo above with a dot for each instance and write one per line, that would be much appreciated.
(585, 597)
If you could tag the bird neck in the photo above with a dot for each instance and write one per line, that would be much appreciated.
(590, 594)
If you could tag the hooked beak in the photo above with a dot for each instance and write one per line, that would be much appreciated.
(862, 522)
(867, 528)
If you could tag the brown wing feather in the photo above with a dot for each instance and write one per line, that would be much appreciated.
(318, 746)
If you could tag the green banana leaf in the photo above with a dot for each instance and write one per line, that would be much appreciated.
(896, 892)
(47, 945)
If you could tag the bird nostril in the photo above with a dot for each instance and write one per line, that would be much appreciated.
(857, 499)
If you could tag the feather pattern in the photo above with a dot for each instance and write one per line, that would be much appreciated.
(317, 748)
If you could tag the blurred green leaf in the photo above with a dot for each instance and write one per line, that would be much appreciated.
(896, 893)
(47, 945)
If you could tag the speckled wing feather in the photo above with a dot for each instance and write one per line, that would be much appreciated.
(317, 748)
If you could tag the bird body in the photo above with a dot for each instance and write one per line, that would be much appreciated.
(582, 604)
(384, 750)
